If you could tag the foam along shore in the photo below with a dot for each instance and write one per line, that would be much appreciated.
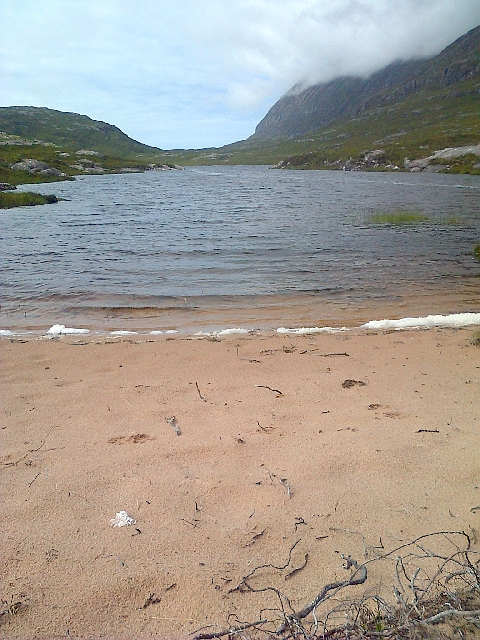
(225, 455)
(455, 320)
(452, 320)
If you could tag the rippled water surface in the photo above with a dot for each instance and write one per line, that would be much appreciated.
(138, 245)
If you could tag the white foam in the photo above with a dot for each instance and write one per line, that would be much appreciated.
(6, 332)
(223, 332)
(123, 333)
(156, 333)
(61, 329)
(307, 330)
(453, 320)
(228, 332)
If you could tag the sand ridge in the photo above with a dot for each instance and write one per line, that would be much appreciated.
(274, 448)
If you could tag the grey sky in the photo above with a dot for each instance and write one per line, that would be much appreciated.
(198, 73)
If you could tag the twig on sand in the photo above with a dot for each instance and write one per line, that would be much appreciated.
(295, 571)
(246, 359)
(428, 431)
(152, 599)
(264, 386)
(266, 429)
(172, 421)
(30, 483)
(42, 444)
(243, 582)
(229, 632)
(325, 355)
(198, 389)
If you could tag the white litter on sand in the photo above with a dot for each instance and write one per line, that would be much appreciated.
(453, 320)
(122, 519)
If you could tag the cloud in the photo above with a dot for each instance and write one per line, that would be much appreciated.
(196, 74)
(283, 42)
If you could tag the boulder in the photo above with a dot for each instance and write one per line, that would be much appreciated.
(29, 164)
(50, 171)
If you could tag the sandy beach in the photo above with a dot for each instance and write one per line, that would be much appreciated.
(347, 442)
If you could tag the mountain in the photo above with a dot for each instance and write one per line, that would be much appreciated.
(69, 130)
(456, 69)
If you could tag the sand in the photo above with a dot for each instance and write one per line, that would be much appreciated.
(274, 448)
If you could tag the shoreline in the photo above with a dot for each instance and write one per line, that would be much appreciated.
(210, 314)
(347, 441)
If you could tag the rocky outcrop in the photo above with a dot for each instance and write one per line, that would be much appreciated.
(36, 166)
(434, 162)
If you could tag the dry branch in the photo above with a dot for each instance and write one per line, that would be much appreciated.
(432, 584)
(451, 612)
(358, 577)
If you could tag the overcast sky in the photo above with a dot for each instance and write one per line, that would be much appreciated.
(201, 73)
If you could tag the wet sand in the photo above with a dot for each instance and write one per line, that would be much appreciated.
(274, 448)
(103, 314)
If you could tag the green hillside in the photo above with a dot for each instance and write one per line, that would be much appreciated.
(70, 130)
(69, 144)
(412, 128)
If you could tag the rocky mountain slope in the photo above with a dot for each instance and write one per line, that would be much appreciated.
(457, 68)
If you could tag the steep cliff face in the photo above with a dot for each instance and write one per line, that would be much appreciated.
(299, 112)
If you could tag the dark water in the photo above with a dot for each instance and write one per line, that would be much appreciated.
(132, 245)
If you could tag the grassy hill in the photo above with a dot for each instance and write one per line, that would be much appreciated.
(70, 130)
(70, 144)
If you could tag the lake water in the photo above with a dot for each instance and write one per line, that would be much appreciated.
(238, 246)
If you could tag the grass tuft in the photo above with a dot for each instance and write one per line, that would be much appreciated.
(9, 200)
(396, 217)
